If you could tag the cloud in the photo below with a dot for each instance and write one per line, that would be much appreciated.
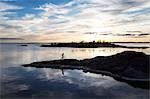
(8, 26)
(135, 31)
(11, 39)
(145, 34)
(5, 6)
(74, 17)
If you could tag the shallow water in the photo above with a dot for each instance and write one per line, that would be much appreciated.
(20, 82)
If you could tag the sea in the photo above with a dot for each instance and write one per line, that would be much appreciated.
(20, 82)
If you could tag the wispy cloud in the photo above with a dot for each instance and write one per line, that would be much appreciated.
(11, 39)
(5, 6)
(49, 20)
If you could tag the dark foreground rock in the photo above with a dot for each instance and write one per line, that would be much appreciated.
(129, 66)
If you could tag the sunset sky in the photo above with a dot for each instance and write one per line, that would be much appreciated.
(74, 20)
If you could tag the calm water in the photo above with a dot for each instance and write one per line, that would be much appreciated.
(20, 82)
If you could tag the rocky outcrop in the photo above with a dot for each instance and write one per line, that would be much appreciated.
(129, 66)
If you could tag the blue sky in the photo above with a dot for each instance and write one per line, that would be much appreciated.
(74, 20)
(28, 6)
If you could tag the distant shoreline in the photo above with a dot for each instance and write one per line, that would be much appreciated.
(89, 45)
(84, 45)
(56, 42)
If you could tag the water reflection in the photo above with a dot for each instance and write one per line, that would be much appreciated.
(49, 82)
(20, 82)
(17, 54)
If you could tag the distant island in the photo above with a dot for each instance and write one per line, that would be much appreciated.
(129, 66)
(88, 45)
(24, 45)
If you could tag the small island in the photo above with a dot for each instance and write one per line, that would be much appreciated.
(88, 45)
(24, 45)
(129, 66)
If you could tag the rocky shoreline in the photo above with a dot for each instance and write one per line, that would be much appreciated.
(129, 66)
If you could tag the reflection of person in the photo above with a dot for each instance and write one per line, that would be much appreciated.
(62, 56)
(62, 71)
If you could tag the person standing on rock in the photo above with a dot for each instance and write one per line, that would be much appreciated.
(62, 55)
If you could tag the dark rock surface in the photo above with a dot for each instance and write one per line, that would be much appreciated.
(129, 66)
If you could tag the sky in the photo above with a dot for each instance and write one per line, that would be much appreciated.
(74, 20)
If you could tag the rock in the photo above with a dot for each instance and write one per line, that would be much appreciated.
(129, 66)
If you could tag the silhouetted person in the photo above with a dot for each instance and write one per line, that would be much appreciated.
(62, 56)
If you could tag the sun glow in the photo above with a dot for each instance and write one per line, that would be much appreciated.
(92, 37)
